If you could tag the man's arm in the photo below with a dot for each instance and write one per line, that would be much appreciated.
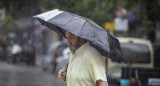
(101, 83)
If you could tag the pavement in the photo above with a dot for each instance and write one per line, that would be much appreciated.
(23, 75)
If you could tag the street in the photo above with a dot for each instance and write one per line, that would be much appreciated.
(22, 75)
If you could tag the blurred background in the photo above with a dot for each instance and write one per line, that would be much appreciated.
(31, 54)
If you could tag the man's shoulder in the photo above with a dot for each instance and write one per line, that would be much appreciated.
(92, 51)
(93, 55)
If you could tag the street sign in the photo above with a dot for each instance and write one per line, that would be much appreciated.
(121, 24)
(109, 26)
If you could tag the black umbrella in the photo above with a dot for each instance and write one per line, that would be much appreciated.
(60, 21)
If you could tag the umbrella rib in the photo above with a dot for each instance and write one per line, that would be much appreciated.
(81, 27)
(68, 20)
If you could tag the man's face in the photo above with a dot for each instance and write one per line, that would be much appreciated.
(73, 41)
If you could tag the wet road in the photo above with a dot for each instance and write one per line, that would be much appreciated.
(22, 75)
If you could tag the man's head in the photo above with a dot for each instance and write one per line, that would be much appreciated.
(74, 42)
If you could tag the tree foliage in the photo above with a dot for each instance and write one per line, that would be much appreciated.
(93, 9)
(146, 12)
(102, 11)
(20, 8)
(9, 24)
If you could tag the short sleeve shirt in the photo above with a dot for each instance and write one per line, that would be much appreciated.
(86, 66)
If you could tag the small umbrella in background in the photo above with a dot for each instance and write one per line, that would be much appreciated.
(103, 42)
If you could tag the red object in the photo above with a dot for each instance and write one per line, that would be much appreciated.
(132, 81)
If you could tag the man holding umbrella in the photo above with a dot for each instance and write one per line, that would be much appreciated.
(89, 44)
(86, 66)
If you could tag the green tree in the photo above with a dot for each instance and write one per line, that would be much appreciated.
(9, 24)
(93, 9)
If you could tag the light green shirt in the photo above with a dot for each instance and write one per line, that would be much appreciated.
(86, 66)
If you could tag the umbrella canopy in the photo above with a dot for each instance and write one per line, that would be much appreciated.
(103, 42)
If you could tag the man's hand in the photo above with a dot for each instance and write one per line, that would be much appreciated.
(101, 83)
(62, 74)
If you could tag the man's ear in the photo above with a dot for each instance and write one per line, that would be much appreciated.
(82, 40)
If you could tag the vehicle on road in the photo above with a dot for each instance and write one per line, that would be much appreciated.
(139, 59)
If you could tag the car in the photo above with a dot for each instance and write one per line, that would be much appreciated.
(139, 55)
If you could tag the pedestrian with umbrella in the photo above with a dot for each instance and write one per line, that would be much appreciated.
(89, 44)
